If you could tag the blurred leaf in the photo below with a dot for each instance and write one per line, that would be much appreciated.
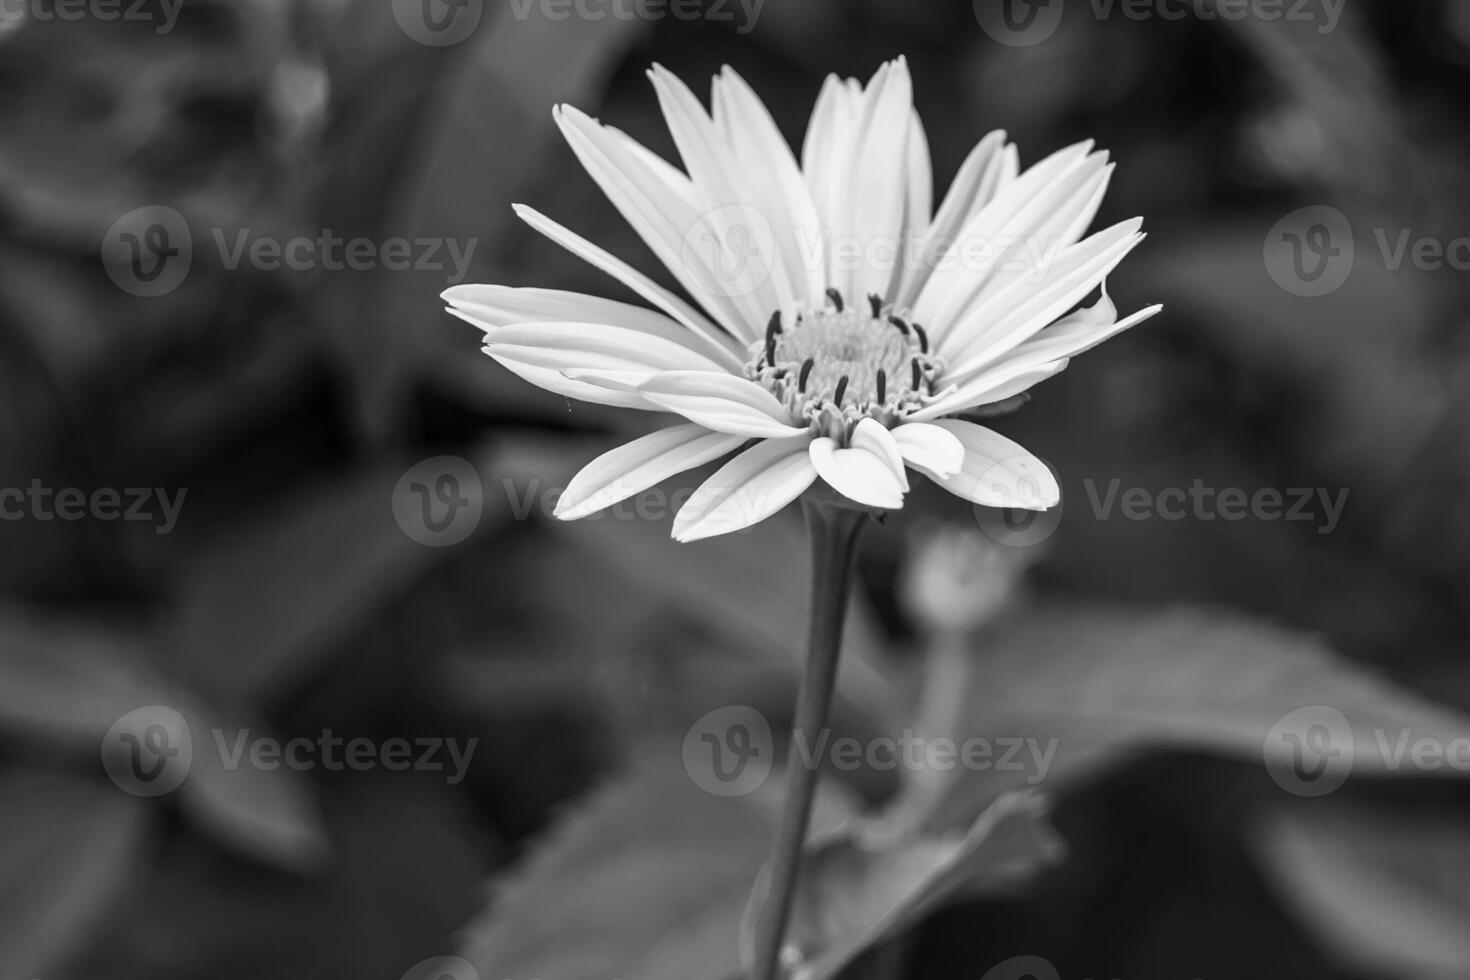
(262, 608)
(268, 813)
(1092, 682)
(69, 683)
(459, 131)
(68, 848)
(855, 894)
(1386, 889)
(648, 878)
(409, 854)
(751, 585)
(63, 687)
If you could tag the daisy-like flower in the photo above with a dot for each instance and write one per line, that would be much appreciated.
(844, 322)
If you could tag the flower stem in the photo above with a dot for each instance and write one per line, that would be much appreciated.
(833, 530)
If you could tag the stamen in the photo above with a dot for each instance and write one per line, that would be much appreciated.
(923, 339)
(836, 366)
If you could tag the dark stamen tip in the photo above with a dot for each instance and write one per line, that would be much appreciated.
(882, 382)
(806, 370)
(876, 302)
(841, 388)
(923, 338)
(897, 321)
(835, 297)
(915, 365)
(774, 327)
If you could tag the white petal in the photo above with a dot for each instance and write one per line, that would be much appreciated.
(492, 307)
(558, 383)
(918, 206)
(724, 195)
(826, 153)
(758, 146)
(856, 473)
(635, 466)
(728, 350)
(993, 328)
(997, 472)
(1020, 246)
(996, 384)
(930, 447)
(564, 346)
(978, 178)
(748, 489)
(1028, 244)
(671, 219)
(875, 198)
(870, 434)
(721, 402)
(958, 278)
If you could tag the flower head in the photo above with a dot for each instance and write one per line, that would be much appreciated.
(841, 320)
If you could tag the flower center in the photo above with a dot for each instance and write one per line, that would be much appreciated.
(838, 365)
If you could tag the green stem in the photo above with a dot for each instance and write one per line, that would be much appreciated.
(833, 530)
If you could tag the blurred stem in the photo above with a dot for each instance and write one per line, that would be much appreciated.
(948, 663)
(833, 530)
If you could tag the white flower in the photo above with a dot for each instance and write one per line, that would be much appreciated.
(843, 319)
